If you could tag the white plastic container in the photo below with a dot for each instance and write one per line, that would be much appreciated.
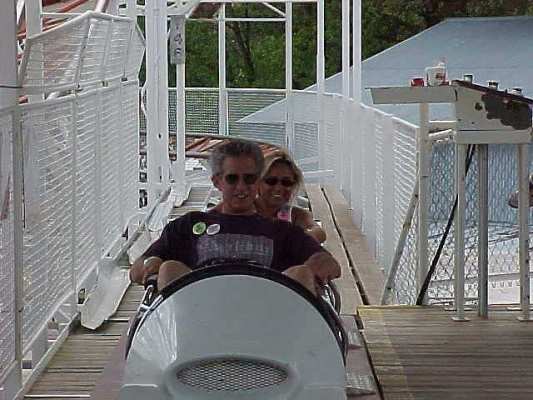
(436, 75)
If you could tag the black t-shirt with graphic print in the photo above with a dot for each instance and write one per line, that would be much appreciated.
(198, 239)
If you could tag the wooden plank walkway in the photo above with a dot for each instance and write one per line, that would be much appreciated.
(347, 284)
(369, 274)
(419, 353)
(76, 368)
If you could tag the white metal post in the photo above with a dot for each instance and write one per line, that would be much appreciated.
(483, 226)
(289, 120)
(33, 11)
(345, 155)
(459, 234)
(356, 50)
(388, 169)
(321, 83)
(356, 169)
(178, 170)
(222, 94)
(131, 9)
(157, 98)
(523, 216)
(8, 97)
(73, 199)
(424, 171)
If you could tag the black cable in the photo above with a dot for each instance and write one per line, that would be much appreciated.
(10, 87)
(420, 299)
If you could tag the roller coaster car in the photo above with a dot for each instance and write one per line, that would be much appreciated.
(235, 331)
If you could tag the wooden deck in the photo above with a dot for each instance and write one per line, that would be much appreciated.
(414, 352)
(76, 368)
(419, 353)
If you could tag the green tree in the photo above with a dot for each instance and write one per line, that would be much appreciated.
(256, 51)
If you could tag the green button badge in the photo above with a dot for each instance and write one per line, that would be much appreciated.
(199, 228)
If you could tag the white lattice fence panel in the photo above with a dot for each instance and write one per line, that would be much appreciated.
(306, 145)
(47, 135)
(135, 54)
(7, 267)
(117, 48)
(109, 164)
(129, 149)
(201, 110)
(244, 103)
(355, 118)
(51, 59)
(404, 152)
(86, 252)
(88, 49)
(369, 178)
(379, 134)
(333, 134)
(93, 61)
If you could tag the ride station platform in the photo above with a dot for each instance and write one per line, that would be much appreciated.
(396, 352)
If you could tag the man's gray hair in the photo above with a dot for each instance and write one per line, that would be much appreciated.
(236, 148)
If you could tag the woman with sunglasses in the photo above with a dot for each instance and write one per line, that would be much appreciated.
(278, 187)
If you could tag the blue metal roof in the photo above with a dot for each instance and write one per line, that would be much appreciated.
(491, 48)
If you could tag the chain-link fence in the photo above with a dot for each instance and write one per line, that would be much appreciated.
(503, 266)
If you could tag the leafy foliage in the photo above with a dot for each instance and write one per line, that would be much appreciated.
(255, 51)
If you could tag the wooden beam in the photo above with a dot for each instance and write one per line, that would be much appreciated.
(347, 285)
(368, 273)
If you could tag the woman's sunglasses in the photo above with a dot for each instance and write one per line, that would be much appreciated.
(273, 181)
(248, 179)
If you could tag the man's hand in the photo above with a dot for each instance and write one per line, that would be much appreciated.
(324, 267)
(142, 268)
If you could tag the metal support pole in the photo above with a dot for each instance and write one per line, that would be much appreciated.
(33, 12)
(355, 165)
(345, 153)
(289, 120)
(178, 171)
(321, 83)
(460, 167)
(222, 94)
(131, 9)
(346, 49)
(8, 98)
(483, 226)
(34, 26)
(157, 98)
(356, 51)
(424, 171)
(523, 241)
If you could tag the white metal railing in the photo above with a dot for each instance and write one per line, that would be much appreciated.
(78, 176)
(7, 271)
(86, 50)
(80, 186)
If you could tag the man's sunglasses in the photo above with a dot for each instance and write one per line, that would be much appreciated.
(248, 179)
(273, 181)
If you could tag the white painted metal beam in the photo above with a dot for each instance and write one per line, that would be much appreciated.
(289, 103)
(321, 83)
(157, 98)
(9, 98)
(222, 94)
(356, 50)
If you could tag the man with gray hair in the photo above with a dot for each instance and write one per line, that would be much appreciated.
(234, 231)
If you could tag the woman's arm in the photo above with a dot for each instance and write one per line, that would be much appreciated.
(304, 219)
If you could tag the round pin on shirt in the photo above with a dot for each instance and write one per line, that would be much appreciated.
(199, 228)
(213, 229)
